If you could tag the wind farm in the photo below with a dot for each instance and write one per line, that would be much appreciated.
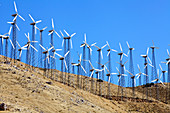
(105, 74)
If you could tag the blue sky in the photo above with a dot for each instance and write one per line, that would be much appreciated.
(136, 21)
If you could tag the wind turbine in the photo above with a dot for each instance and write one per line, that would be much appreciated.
(14, 35)
(78, 70)
(53, 63)
(139, 75)
(163, 73)
(121, 53)
(6, 45)
(100, 55)
(28, 54)
(157, 80)
(34, 31)
(109, 77)
(120, 75)
(40, 49)
(133, 82)
(146, 78)
(47, 56)
(69, 38)
(131, 68)
(1, 44)
(63, 61)
(109, 56)
(154, 73)
(101, 79)
(91, 75)
(20, 50)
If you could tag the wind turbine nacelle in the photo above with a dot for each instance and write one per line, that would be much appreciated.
(163, 71)
(120, 53)
(131, 48)
(96, 72)
(19, 49)
(6, 37)
(108, 74)
(32, 23)
(62, 58)
(67, 37)
(99, 50)
(53, 50)
(45, 52)
(14, 15)
(18, 60)
(118, 75)
(91, 70)
(109, 50)
(145, 64)
(133, 77)
(167, 59)
(41, 30)
(50, 30)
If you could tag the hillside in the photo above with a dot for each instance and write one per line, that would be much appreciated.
(29, 91)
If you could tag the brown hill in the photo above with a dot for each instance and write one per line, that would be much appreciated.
(26, 91)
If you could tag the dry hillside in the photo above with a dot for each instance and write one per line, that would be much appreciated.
(26, 91)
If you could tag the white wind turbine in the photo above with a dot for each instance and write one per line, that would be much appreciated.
(20, 50)
(121, 53)
(34, 24)
(16, 15)
(139, 75)
(53, 30)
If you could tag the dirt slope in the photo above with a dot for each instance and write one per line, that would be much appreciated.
(29, 91)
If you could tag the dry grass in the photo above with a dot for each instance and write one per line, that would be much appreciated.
(27, 91)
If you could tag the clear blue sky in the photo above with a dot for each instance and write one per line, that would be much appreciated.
(136, 21)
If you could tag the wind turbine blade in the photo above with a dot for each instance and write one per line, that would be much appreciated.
(34, 48)
(167, 62)
(153, 42)
(154, 80)
(66, 54)
(108, 44)
(128, 52)
(113, 50)
(127, 44)
(58, 49)
(119, 78)
(21, 17)
(50, 32)
(85, 37)
(83, 68)
(104, 46)
(17, 27)
(168, 53)
(9, 30)
(57, 34)
(145, 66)
(162, 82)
(52, 23)
(10, 22)
(114, 73)
(138, 67)
(160, 67)
(61, 34)
(42, 47)
(147, 51)
(101, 54)
(125, 54)
(121, 58)
(109, 80)
(66, 33)
(149, 60)
(15, 7)
(72, 34)
(138, 76)
(62, 42)
(20, 53)
(50, 48)
(15, 18)
(44, 28)
(37, 28)
(18, 44)
(65, 63)
(93, 44)
(11, 43)
(108, 53)
(91, 74)
(31, 18)
(150, 65)
(90, 64)
(161, 76)
(38, 21)
(71, 43)
(96, 47)
(58, 55)
(120, 47)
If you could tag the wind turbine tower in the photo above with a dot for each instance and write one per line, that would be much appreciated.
(34, 31)
(154, 72)
(131, 68)
(14, 35)
(40, 64)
